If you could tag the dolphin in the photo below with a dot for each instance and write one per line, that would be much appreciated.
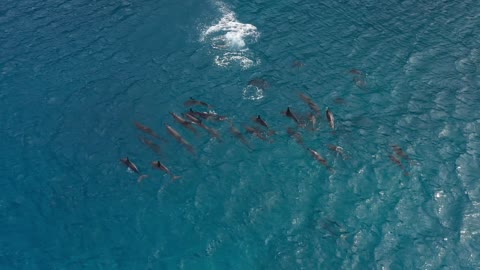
(400, 152)
(290, 114)
(297, 64)
(318, 157)
(399, 164)
(330, 118)
(360, 82)
(158, 165)
(334, 228)
(261, 122)
(150, 144)
(338, 150)
(356, 72)
(203, 115)
(314, 107)
(313, 120)
(180, 139)
(359, 78)
(256, 132)
(213, 132)
(184, 122)
(147, 130)
(192, 102)
(340, 100)
(207, 115)
(134, 168)
(259, 83)
(192, 118)
(297, 136)
(239, 135)
(396, 161)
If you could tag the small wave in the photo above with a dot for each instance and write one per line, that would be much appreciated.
(230, 39)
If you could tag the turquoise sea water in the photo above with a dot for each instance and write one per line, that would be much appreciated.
(75, 75)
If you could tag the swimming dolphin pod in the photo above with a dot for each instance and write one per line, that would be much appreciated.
(262, 130)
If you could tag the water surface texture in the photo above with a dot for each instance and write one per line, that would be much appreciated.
(75, 76)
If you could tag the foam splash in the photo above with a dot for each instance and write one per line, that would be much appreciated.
(252, 93)
(230, 38)
(229, 58)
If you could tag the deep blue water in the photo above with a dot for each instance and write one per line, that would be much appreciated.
(75, 75)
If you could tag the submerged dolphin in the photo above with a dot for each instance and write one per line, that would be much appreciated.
(400, 152)
(297, 64)
(313, 106)
(318, 157)
(313, 120)
(399, 164)
(396, 161)
(256, 132)
(147, 130)
(192, 102)
(259, 83)
(184, 122)
(180, 139)
(213, 132)
(297, 136)
(356, 72)
(239, 135)
(155, 148)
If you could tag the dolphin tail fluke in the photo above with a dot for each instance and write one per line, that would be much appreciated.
(175, 177)
(141, 177)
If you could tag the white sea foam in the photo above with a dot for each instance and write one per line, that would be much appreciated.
(230, 38)
(230, 58)
(252, 93)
